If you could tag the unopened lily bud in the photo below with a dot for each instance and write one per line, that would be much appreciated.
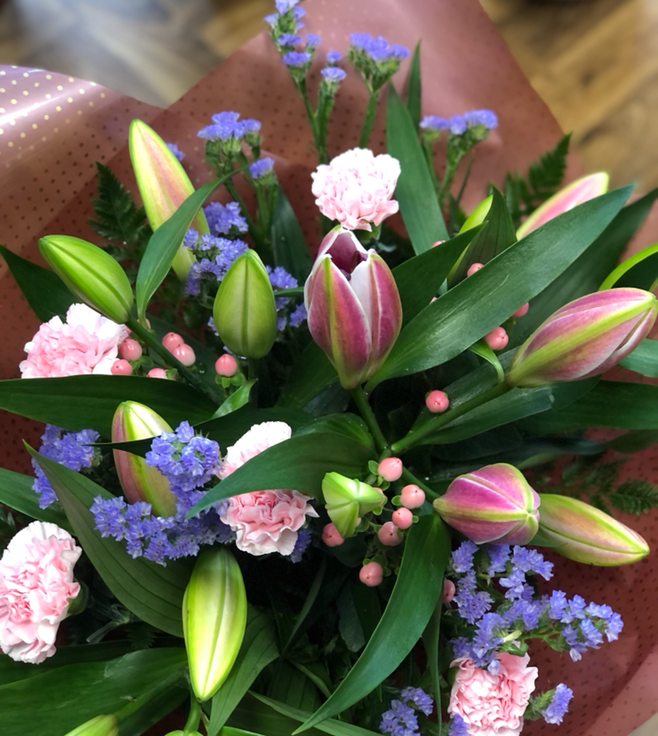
(99, 726)
(214, 619)
(347, 500)
(141, 482)
(91, 274)
(493, 504)
(354, 308)
(244, 309)
(583, 533)
(163, 186)
(585, 337)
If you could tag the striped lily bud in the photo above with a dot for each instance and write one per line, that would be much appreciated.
(347, 500)
(99, 726)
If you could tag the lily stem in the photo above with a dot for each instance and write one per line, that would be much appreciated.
(370, 419)
(192, 723)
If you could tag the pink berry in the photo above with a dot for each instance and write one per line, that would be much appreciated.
(330, 536)
(402, 518)
(371, 574)
(157, 373)
(496, 339)
(121, 368)
(130, 349)
(448, 591)
(522, 311)
(437, 401)
(390, 469)
(412, 497)
(172, 340)
(473, 268)
(185, 354)
(226, 365)
(438, 242)
(388, 534)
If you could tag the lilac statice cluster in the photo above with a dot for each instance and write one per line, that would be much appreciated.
(225, 138)
(72, 449)
(286, 20)
(188, 461)
(287, 314)
(560, 697)
(402, 717)
(214, 256)
(374, 58)
(225, 219)
(261, 170)
(458, 726)
(176, 151)
(464, 131)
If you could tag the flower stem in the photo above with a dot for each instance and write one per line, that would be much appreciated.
(369, 120)
(151, 342)
(369, 418)
(411, 478)
(415, 437)
(192, 723)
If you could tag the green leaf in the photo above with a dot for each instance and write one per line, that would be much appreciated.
(235, 401)
(82, 402)
(288, 244)
(16, 492)
(414, 88)
(586, 273)
(483, 350)
(309, 375)
(300, 463)
(640, 270)
(164, 244)
(150, 708)
(254, 716)
(644, 359)
(257, 651)
(415, 192)
(419, 278)
(152, 592)
(609, 404)
(634, 497)
(308, 603)
(431, 637)
(491, 295)
(45, 292)
(58, 700)
(418, 587)
(289, 685)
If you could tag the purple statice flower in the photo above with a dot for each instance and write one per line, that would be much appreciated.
(281, 279)
(400, 720)
(378, 49)
(283, 6)
(271, 19)
(360, 41)
(108, 516)
(462, 557)
(176, 151)
(190, 239)
(222, 217)
(485, 118)
(557, 605)
(576, 646)
(288, 39)
(298, 316)
(261, 167)
(224, 126)
(312, 40)
(296, 58)
(71, 449)
(498, 558)
(420, 699)
(221, 254)
(249, 126)
(457, 125)
(435, 123)
(333, 74)
(398, 52)
(301, 545)
(458, 726)
(333, 57)
(559, 705)
(471, 602)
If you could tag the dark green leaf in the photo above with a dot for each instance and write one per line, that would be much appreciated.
(414, 88)
(254, 716)
(235, 401)
(417, 590)
(152, 592)
(83, 402)
(291, 686)
(415, 192)
(644, 359)
(258, 649)
(418, 279)
(308, 603)
(309, 375)
(58, 700)
(153, 706)
(431, 638)
(640, 270)
(491, 295)
(634, 497)
(44, 290)
(482, 349)
(288, 244)
(16, 492)
(349, 624)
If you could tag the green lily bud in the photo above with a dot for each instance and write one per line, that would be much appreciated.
(214, 620)
(583, 533)
(163, 185)
(140, 481)
(346, 500)
(244, 309)
(90, 273)
(99, 726)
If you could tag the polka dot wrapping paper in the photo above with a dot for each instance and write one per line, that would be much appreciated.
(53, 130)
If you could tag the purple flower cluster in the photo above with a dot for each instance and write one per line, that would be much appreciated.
(458, 726)
(297, 59)
(377, 49)
(301, 545)
(402, 718)
(227, 125)
(333, 57)
(261, 167)
(71, 449)
(281, 279)
(214, 256)
(459, 124)
(223, 218)
(286, 19)
(333, 74)
(188, 461)
(176, 151)
(559, 704)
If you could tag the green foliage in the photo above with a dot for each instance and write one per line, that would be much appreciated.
(542, 181)
(533, 711)
(141, 636)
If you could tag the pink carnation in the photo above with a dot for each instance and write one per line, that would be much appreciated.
(86, 343)
(36, 586)
(264, 521)
(356, 188)
(493, 705)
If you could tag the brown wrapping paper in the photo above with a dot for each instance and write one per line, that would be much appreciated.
(54, 128)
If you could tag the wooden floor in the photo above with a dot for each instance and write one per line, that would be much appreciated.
(595, 62)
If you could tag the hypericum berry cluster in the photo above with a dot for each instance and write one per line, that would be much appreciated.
(402, 717)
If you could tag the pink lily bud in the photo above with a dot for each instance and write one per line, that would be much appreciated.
(354, 308)
(141, 482)
(412, 497)
(585, 337)
(390, 469)
(497, 339)
(371, 574)
(566, 199)
(226, 365)
(437, 401)
(121, 368)
(581, 532)
(493, 504)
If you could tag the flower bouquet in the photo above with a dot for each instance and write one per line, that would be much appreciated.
(286, 493)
